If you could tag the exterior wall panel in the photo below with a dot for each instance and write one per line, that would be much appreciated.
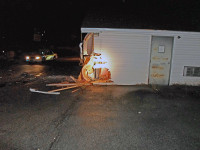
(186, 53)
(127, 56)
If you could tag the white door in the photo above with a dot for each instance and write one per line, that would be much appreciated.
(160, 62)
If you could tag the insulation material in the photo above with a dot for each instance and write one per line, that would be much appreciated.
(88, 44)
(94, 68)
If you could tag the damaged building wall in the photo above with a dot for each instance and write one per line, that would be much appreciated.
(128, 53)
(95, 66)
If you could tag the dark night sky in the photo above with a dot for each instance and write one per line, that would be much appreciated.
(62, 19)
(59, 19)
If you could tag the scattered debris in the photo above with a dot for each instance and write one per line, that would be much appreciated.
(66, 85)
(94, 72)
(71, 87)
(38, 75)
(94, 68)
(75, 90)
(73, 78)
(43, 92)
(61, 84)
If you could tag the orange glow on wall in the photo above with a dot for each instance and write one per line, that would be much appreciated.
(95, 68)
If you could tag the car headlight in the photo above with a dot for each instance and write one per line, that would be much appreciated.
(27, 57)
(37, 57)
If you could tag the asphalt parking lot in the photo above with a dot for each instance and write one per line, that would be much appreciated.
(97, 117)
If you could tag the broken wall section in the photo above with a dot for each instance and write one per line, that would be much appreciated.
(94, 65)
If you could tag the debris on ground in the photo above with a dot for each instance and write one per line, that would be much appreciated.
(77, 84)
(94, 72)
(17, 79)
(34, 90)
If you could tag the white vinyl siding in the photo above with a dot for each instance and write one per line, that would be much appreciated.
(127, 56)
(186, 53)
(128, 51)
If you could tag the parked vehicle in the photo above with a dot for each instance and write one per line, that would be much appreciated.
(41, 55)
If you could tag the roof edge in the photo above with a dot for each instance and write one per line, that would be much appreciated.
(86, 30)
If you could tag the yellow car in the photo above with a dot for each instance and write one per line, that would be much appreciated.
(41, 56)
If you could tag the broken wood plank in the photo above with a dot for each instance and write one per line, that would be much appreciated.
(43, 92)
(75, 90)
(61, 84)
(74, 79)
(67, 84)
(71, 87)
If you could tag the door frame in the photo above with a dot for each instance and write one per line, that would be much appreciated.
(170, 60)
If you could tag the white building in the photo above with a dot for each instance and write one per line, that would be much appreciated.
(146, 56)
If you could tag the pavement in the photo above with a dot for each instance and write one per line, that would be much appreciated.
(95, 117)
